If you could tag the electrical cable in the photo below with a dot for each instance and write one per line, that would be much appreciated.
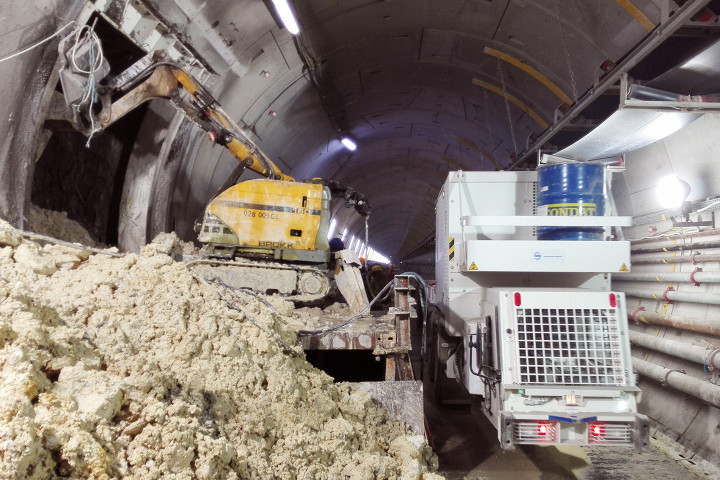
(259, 299)
(234, 306)
(367, 240)
(96, 58)
(507, 105)
(56, 241)
(95, 64)
(13, 55)
(707, 207)
(382, 292)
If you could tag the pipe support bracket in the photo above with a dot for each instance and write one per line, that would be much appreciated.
(692, 276)
(664, 381)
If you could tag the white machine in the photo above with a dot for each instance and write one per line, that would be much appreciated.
(530, 328)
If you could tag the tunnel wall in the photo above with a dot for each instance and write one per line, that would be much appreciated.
(163, 141)
(23, 97)
(692, 155)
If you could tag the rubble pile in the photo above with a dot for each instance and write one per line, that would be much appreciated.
(58, 225)
(131, 367)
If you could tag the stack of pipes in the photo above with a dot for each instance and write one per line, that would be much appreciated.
(699, 250)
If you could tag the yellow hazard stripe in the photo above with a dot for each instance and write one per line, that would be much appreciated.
(452, 248)
(530, 71)
(637, 14)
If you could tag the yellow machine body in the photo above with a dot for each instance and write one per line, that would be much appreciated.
(285, 220)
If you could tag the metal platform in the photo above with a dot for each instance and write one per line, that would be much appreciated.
(385, 335)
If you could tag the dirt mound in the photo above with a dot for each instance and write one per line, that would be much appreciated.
(58, 225)
(129, 367)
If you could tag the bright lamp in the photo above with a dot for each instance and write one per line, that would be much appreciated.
(672, 191)
(282, 7)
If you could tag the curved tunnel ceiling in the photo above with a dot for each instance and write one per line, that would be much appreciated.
(424, 87)
(428, 87)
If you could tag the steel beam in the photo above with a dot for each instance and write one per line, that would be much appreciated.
(655, 38)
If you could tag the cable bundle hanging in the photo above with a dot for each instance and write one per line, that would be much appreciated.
(83, 65)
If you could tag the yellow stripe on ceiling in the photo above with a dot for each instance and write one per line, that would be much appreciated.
(451, 162)
(637, 14)
(513, 99)
(530, 71)
(470, 144)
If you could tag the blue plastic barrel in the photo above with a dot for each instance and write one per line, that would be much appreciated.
(571, 189)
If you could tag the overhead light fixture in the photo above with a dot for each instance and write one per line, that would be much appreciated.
(349, 143)
(672, 191)
(282, 7)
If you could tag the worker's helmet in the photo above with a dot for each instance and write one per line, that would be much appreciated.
(336, 244)
(376, 268)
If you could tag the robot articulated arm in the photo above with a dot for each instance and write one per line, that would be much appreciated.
(351, 196)
(153, 76)
(94, 103)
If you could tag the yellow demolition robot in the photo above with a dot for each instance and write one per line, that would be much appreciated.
(267, 234)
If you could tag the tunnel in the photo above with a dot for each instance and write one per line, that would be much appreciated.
(421, 89)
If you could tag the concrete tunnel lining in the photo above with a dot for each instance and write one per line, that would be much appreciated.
(171, 171)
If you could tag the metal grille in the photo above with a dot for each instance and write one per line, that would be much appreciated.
(610, 434)
(535, 432)
(569, 346)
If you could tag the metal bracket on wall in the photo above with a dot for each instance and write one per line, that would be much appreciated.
(664, 382)
(643, 97)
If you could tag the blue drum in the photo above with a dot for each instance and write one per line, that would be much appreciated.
(571, 189)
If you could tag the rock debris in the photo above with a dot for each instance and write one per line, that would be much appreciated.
(129, 367)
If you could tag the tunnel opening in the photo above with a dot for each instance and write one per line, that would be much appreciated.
(348, 365)
(85, 179)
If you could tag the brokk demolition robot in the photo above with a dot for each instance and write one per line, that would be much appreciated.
(268, 234)
(526, 321)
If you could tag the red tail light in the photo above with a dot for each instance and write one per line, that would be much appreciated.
(542, 429)
(518, 299)
(613, 300)
(598, 430)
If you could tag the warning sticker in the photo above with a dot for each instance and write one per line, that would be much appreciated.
(473, 266)
(624, 268)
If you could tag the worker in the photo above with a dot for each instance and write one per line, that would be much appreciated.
(376, 280)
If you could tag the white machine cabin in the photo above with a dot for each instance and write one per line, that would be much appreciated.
(538, 335)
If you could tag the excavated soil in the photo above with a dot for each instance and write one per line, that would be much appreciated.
(130, 367)
(58, 225)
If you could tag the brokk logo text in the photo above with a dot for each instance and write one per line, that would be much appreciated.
(269, 243)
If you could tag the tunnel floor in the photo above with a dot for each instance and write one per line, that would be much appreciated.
(467, 448)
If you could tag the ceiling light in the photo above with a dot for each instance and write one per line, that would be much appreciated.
(282, 7)
(672, 191)
(349, 143)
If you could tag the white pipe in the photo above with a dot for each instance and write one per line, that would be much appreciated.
(672, 239)
(672, 295)
(696, 277)
(710, 242)
(701, 389)
(696, 257)
(710, 326)
(694, 353)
